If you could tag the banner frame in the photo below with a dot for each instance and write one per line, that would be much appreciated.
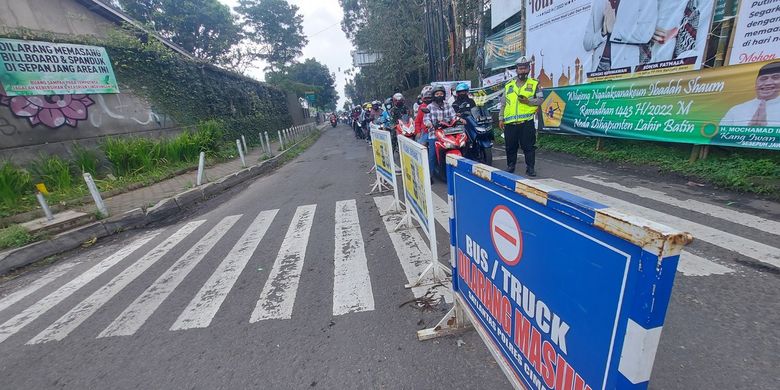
(382, 180)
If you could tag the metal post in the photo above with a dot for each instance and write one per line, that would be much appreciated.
(241, 153)
(281, 141)
(201, 164)
(243, 141)
(268, 144)
(262, 145)
(95, 194)
(44, 206)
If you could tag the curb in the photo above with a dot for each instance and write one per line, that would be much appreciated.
(136, 218)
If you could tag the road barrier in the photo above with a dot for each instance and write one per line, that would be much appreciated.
(418, 197)
(565, 292)
(384, 166)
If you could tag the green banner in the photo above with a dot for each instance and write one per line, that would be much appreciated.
(45, 68)
(504, 47)
(729, 106)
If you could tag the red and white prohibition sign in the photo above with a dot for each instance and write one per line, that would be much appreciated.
(506, 235)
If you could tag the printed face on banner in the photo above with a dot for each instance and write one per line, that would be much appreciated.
(415, 181)
(610, 39)
(552, 311)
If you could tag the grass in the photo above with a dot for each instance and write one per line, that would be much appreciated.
(744, 170)
(53, 171)
(85, 160)
(15, 236)
(13, 183)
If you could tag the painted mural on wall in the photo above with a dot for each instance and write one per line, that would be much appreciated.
(53, 111)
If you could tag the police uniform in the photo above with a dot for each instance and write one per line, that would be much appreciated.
(519, 122)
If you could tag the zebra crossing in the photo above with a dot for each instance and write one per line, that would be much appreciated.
(352, 285)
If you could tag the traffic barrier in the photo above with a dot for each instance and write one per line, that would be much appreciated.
(566, 293)
(201, 166)
(93, 190)
(418, 197)
(384, 165)
(241, 153)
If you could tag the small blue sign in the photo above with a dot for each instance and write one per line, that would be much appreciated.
(566, 301)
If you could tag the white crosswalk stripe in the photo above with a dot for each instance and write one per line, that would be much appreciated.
(756, 250)
(72, 319)
(36, 285)
(278, 295)
(142, 308)
(29, 315)
(412, 251)
(351, 281)
(763, 224)
(202, 309)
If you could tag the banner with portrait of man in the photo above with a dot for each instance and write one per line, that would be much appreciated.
(609, 39)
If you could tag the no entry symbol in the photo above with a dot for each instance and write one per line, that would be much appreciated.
(506, 235)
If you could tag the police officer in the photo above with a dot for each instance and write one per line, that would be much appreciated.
(521, 99)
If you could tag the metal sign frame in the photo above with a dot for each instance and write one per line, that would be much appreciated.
(606, 290)
(384, 165)
(416, 174)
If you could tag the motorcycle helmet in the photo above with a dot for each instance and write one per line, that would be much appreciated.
(462, 90)
(388, 103)
(427, 96)
(376, 104)
(436, 90)
(398, 99)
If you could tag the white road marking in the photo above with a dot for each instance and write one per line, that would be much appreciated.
(693, 265)
(145, 305)
(204, 306)
(278, 295)
(36, 310)
(756, 250)
(72, 319)
(441, 212)
(24, 292)
(749, 220)
(412, 251)
(351, 282)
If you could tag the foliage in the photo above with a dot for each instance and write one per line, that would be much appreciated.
(13, 182)
(205, 28)
(275, 28)
(396, 31)
(14, 236)
(309, 75)
(85, 160)
(53, 171)
(737, 169)
(133, 155)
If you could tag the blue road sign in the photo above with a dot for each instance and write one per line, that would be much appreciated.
(567, 293)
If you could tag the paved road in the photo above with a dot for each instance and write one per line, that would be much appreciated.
(297, 281)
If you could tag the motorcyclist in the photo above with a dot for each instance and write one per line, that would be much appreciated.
(355, 116)
(398, 109)
(438, 111)
(463, 103)
(421, 132)
(376, 110)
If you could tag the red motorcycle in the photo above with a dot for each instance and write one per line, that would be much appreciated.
(450, 139)
(405, 127)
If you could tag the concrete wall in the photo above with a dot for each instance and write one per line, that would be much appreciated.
(57, 16)
(31, 125)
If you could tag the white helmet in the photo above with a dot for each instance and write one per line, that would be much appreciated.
(522, 60)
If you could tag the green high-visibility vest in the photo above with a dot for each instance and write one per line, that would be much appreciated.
(514, 111)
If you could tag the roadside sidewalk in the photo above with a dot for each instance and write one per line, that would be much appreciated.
(142, 206)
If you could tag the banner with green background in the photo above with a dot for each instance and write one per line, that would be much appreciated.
(729, 106)
(504, 47)
(45, 68)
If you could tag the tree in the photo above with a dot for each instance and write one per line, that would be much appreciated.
(275, 28)
(205, 28)
(302, 77)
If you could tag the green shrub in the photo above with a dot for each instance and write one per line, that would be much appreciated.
(131, 155)
(53, 171)
(14, 236)
(85, 160)
(14, 183)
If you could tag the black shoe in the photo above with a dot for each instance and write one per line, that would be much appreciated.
(530, 172)
(510, 169)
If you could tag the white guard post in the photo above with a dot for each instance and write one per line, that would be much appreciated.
(418, 195)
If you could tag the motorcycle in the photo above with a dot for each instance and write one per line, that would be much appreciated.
(405, 127)
(480, 135)
(356, 126)
(334, 121)
(450, 139)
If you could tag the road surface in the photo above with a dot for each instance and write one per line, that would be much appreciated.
(295, 280)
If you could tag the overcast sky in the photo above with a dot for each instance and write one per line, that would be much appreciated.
(327, 43)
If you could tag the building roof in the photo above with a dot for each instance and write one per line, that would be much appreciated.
(118, 17)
